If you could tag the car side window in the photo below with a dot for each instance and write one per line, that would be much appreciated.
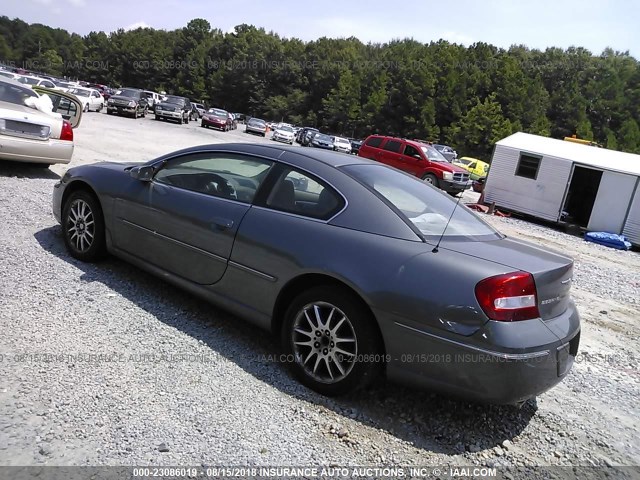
(300, 193)
(412, 151)
(373, 141)
(393, 146)
(225, 175)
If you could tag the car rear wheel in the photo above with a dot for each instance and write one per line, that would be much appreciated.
(86, 108)
(83, 227)
(431, 178)
(331, 341)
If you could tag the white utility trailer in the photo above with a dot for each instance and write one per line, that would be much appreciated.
(562, 181)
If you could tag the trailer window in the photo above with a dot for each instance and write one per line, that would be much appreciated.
(528, 166)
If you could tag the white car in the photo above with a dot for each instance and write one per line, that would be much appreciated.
(36, 128)
(341, 144)
(91, 98)
(41, 82)
(153, 99)
(283, 133)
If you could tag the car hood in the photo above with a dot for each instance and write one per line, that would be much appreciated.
(122, 97)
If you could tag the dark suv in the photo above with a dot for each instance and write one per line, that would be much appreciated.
(174, 108)
(128, 101)
(417, 158)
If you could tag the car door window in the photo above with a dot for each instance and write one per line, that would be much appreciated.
(411, 152)
(300, 193)
(226, 175)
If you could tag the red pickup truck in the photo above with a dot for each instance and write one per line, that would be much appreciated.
(417, 158)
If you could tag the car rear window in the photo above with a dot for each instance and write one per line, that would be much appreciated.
(373, 141)
(428, 209)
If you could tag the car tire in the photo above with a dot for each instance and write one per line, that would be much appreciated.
(83, 227)
(157, 117)
(431, 178)
(100, 107)
(353, 365)
(144, 112)
(86, 108)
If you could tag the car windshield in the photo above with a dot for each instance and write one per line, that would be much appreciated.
(321, 137)
(126, 92)
(465, 161)
(78, 91)
(257, 122)
(433, 154)
(341, 140)
(174, 100)
(427, 208)
(217, 112)
(14, 93)
(286, 128)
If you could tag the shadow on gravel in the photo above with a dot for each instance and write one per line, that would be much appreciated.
(26, 170)
(429, 421)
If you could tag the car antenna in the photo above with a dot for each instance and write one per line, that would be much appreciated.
(435, 249)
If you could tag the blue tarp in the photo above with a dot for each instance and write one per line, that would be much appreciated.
(608, 239)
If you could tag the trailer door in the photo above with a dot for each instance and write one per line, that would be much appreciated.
(612, 202)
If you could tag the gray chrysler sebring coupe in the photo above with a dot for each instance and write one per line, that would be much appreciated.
(359, 269)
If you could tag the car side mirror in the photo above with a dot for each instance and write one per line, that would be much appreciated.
(417, 157)
(143, 173)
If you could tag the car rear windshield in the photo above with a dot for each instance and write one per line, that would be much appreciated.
(15, 94)
(321, 137)
(427, 208)
(78, 91)
(256, 122)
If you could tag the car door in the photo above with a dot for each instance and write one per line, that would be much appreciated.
(185, 219)
(95, 100)
(390, 154)
(412, 159)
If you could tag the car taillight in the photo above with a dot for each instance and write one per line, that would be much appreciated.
(508, 298)
(67, 131)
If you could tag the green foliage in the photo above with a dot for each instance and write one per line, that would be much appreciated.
(469, 97)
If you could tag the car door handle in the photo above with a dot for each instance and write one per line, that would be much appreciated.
(222, 223)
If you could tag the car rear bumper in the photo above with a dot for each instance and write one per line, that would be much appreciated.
(523, 360)
(35, 151)
(255, 130)
(208, 123)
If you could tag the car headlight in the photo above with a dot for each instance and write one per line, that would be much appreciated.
(110, 100)
(158, 107)
(132, 103)
(447, 175)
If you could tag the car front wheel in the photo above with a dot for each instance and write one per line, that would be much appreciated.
(331, 341)
(83, 227)
(431, 178)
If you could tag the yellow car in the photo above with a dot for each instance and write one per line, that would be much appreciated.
(477, 168)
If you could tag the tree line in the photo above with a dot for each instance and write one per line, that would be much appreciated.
(468, 97)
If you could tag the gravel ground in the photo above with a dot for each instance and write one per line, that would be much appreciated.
(105, 365)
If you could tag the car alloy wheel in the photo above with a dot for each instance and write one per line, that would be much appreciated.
(331, 340)
(83, 227)
(431, 179)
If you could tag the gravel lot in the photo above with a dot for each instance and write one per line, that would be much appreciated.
(225, 401)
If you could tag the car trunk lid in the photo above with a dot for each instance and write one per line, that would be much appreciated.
(552, 272)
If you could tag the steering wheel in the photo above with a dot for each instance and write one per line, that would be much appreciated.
(220, 186)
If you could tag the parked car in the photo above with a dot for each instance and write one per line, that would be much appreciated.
(469, 311)
(256, 125)
(283, 133)
(11, 75)
(90, 98)
(355, 145)
(216, 118)
(476, 168)
(234, 122)
(321, 140)
(153, 99)
(341, 144)
(302, 133)
(31, 127)
(173, 107)
(199, 109)
(478, 185)
(447, 152)
(128, 101)
(418, 159)
(42, 82)
(240, 117)
(307, 135)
